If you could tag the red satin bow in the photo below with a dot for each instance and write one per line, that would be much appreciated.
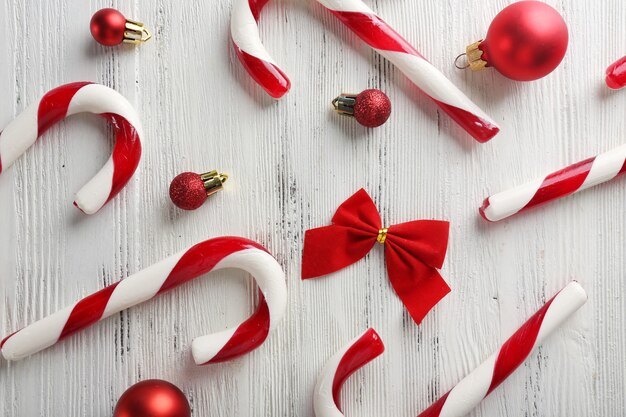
(413, 251)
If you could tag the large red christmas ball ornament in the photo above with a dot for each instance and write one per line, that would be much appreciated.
(525, 41)
(152, 398)
(108, 26)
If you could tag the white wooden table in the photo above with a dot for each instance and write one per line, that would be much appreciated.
(292, 162)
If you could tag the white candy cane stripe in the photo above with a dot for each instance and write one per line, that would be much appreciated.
(69, 99)
(210, 255)
(386, 41)
(468, 393)
(569, 180)
(344, 363)
(244, 33)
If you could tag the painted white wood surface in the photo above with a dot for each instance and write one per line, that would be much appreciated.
(292, 162)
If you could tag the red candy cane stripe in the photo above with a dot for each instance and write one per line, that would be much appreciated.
(468, 393)
(244, 32)
(616, 74)
(344, 363)
(569, 180)
(210, 255)
(386, 41)
(65, 101)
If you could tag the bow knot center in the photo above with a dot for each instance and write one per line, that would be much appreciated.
(382, 235)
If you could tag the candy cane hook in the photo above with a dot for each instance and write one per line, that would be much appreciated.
(69, 99)
(344, 363)
(244, 32)
(210, 255)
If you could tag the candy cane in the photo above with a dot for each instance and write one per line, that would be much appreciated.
(210, 255)
(569, 180)
(70, 99)
(244, 33)
(386, 41)
(616, 74)
(338, 368)
(468, 393)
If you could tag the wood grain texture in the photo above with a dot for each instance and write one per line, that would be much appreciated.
(291, 163)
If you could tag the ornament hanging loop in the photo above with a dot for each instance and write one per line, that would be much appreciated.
(456, 61)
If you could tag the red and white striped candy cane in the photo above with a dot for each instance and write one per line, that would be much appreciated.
(210, 255)
(616, 74)
(386, 41)
(569, 180)
(244, 33)
(70, 99)
(468, 393)
(338, 368)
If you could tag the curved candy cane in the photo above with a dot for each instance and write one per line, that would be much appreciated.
(468, 393)
(210, 255)
(244, 33)
(338, 368)
(70, 99)
(386, 41)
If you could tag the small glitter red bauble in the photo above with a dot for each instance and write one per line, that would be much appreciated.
(187, 191)
(525, 41)
(372, 108)
(108, 26)
(152, 398)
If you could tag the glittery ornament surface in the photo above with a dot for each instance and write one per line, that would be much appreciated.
(372, 108)
(187, 191)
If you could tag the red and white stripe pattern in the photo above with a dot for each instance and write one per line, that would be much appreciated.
(65, 101)
(244, 32)
(338, 368)
(210, 255)
(385, 40)
(468, 393)
(569, 180)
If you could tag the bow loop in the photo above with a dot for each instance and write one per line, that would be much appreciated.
(426, 240)
(358, 212)
(413, 251)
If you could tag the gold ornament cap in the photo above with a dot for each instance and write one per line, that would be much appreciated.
(135, 32)
(213, 181)
(473, 57)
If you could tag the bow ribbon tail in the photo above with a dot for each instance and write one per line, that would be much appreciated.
(419, 286)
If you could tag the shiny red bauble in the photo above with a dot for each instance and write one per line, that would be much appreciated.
(526, 41)
(108, 26)
(152, 398)
(187, 191)
(372, 108)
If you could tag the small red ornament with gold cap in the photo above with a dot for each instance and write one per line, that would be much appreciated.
(109, 27)
(371, 108)
(189, 190)
(526, 41)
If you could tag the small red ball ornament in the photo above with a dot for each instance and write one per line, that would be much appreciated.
(189, 190)
(371, 108)
(109, 27)
(525, 41)
(152, 398)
